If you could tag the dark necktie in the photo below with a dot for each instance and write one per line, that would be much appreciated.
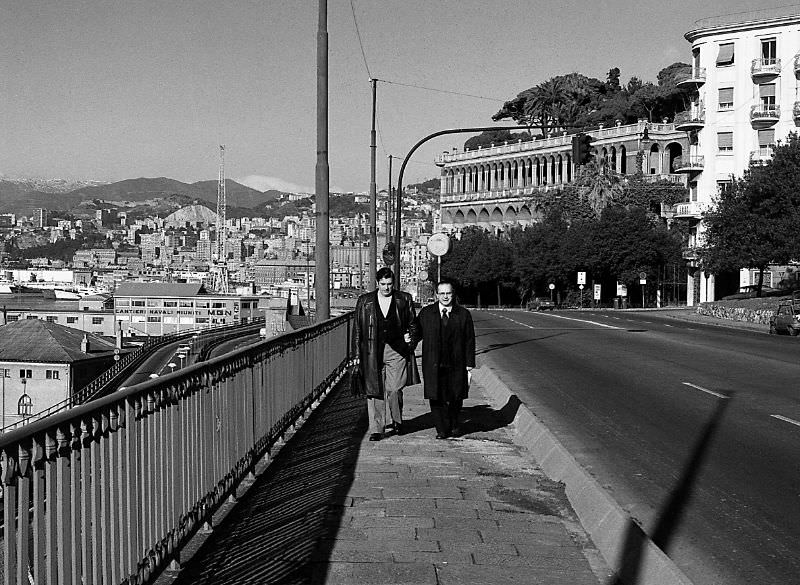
(444, 318)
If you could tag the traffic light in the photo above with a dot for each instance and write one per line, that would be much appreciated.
(581, 148)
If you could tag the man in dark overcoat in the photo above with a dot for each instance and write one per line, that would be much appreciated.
(448, 355)
(382, 342)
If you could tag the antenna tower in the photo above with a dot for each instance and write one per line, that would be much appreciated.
(221, 268)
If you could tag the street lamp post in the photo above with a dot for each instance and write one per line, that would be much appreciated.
(399, 207)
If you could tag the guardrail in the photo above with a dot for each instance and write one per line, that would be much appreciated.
(109, 491)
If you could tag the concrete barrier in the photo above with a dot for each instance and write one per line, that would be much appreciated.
(624, 546)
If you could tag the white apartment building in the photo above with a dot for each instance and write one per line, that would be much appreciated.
(745, 71)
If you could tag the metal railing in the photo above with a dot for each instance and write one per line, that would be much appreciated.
(109, 491)
(765, 112)
(765, 66)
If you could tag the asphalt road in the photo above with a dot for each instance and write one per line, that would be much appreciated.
(693, 429)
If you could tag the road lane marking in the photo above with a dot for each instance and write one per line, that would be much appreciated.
(706, 390)
(667, 325)
(584, 321)
(786, 419)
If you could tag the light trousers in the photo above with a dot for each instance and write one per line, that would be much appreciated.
(393, 374)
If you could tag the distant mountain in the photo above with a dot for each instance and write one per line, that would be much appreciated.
(15, 196)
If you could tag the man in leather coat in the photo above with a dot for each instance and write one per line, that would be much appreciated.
(382, 342)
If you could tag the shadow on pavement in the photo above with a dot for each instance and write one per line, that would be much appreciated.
(480, 418)
(673, 510)
(277, 532)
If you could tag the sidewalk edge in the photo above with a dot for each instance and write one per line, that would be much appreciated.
(624, 546)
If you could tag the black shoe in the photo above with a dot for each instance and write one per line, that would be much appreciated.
(375, 437)
(441, 435)
(398, 428)
(456, 432)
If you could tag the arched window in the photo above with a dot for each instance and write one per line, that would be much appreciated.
(25, 406)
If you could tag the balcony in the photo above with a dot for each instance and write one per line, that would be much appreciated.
(796, 111)
(797, 65)
(691, 254)
(762, 155)
(764, 115)
(764, 68)
(689, 209)
(691, 163)
(692, 79)
(694, 119)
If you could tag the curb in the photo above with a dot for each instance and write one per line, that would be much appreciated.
(623, 544)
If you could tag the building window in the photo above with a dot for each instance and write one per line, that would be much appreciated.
(724, 187)
(97, 320)
(769, 51)
(137, 303)
(766, 91)
(766, 138)
(725, 142)
(153, 319)
(72, 320)
(217, 305)
(25, 406)
(123, 302)
(25, 374)
(5, 373)
(725, 98)
(153, 302)
(51, 319)
(187, 304)
(51, 374)
(10, 318)
(31, 317)
(170, 303)
(725, 55)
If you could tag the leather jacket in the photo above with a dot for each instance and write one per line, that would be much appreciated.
(365, 345)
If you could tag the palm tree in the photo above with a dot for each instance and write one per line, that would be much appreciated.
(542, 103)
(598, 184)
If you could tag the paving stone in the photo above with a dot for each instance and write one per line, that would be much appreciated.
(439, 558)
(456, 522)
(380, 574)
(499, 548)
(449, 535)
(393, 522)
(411, 492)
(385, 545)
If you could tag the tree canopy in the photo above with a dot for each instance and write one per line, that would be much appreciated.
(574, 100)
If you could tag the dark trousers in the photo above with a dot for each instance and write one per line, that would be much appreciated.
(446, 409)
(445, 415)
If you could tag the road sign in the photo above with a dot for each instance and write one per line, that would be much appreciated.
(116, 351)
(581, 278)
(642, 281)
(423, 275)
(580, 286)
(642, 275)
(551, 286)
(439, 244)
(597, 289)
(622, 289)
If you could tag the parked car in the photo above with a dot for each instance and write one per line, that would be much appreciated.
(786, 318)
(541, 304)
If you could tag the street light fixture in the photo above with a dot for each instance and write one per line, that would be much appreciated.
(399, 207)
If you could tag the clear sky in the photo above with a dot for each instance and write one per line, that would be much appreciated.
(116, 89)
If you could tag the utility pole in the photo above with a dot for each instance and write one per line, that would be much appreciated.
(322, 176)
(373, 196)
(389, 205)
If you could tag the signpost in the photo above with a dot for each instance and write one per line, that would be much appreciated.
(581, 284)
(439, 245)
(551, 286)
(643, 282)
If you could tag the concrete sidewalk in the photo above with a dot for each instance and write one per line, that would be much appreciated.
(334, 508)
